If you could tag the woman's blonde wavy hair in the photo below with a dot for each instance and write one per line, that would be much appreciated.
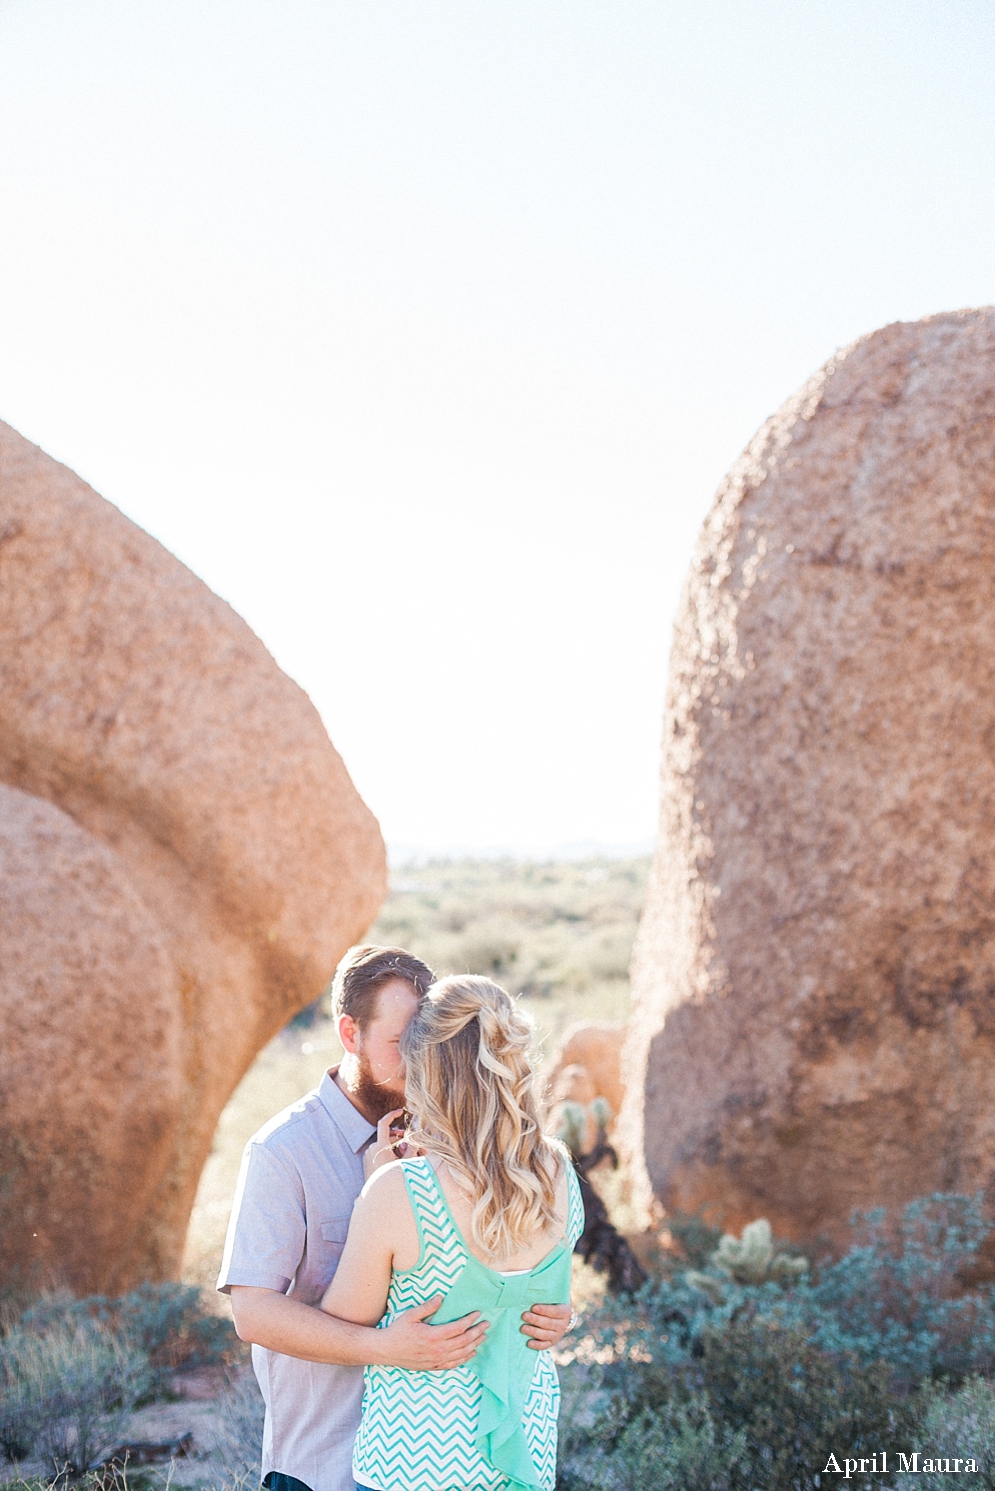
(470, 1089)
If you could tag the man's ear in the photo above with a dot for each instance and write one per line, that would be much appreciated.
(349, 1034)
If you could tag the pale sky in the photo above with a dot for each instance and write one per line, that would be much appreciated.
(424, 330)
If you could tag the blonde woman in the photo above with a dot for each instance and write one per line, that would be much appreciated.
(484, 1218)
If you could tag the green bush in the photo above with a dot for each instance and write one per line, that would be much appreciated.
(895, 1297)
(68, 1389)
(71, 1370)
(677, 1447)
(756, 1405)
(696, 1237)
(960, 1424)
(898, 1294)
(856, 1356)
(794, 1403)
(167, 1322)
(18, 1416)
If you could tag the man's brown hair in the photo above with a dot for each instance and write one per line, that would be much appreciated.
(363, 972)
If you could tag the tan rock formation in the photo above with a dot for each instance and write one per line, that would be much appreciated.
(183, 860)
(814, 980)
(596, 1047)
(584, 1066)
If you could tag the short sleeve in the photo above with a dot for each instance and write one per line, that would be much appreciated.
(266, 1233)
(575, 1208)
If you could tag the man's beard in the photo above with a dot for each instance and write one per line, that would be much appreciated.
(375, 1097)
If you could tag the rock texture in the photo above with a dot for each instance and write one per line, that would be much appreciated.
(814, 979)
(183, 858)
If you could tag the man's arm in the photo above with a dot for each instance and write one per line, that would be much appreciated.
(281, 1323)
(265, 1315)
(271, 1319)
(263, 1249)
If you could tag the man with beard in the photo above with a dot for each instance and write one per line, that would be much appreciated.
(301, 1174)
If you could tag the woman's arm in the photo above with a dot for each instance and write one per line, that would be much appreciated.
(358, 1292)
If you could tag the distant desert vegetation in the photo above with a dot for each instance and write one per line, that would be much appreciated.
(559, 933)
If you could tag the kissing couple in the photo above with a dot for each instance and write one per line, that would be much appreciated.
(399, 1250)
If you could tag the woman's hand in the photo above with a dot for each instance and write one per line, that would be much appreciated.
(390, 1144)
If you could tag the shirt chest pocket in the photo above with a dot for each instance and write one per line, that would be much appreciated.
(333, 1233)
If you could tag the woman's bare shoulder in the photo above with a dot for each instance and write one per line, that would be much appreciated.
(385, 1188)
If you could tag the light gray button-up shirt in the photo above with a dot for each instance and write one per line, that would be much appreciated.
(300, 1175)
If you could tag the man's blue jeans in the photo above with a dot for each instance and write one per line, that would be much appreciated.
(276, 1481)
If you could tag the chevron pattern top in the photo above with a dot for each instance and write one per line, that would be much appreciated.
(419, 1429)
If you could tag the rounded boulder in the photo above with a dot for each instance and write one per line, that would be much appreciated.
(191, 861)
(814, 978)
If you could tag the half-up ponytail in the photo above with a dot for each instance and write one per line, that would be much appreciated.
(470, 1088)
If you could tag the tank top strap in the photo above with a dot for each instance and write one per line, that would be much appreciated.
(441, 1243)
(575, 1208)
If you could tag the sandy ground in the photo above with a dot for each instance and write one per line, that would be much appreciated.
(196, 1413)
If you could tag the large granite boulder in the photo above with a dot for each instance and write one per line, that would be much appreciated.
(183, 859)
(814, 979)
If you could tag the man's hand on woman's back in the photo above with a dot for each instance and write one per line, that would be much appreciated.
(409, 1342)
(430, 1348)
(546, 1325)
(283, 1324)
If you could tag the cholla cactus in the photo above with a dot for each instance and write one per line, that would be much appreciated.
(752, 1259)
(601, 1112)
(570, 1129)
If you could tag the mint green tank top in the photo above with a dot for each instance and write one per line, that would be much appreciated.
(491, 1424)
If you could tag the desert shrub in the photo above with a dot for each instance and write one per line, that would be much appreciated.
(796, 1367)
(559, 932)
(71, 1370)
(894, 1297)
(696, 1237)
(959, 1424)
(758, 1406)
(107, 1478)
(169, 1322)
(491, 945)
(166, 1322)
(72, 1384)
(18, 1413)
(677, 1447)
(794, 1403)
(898, 1294)
(240, 1438)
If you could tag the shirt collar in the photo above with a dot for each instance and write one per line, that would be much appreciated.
(356, 1130)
